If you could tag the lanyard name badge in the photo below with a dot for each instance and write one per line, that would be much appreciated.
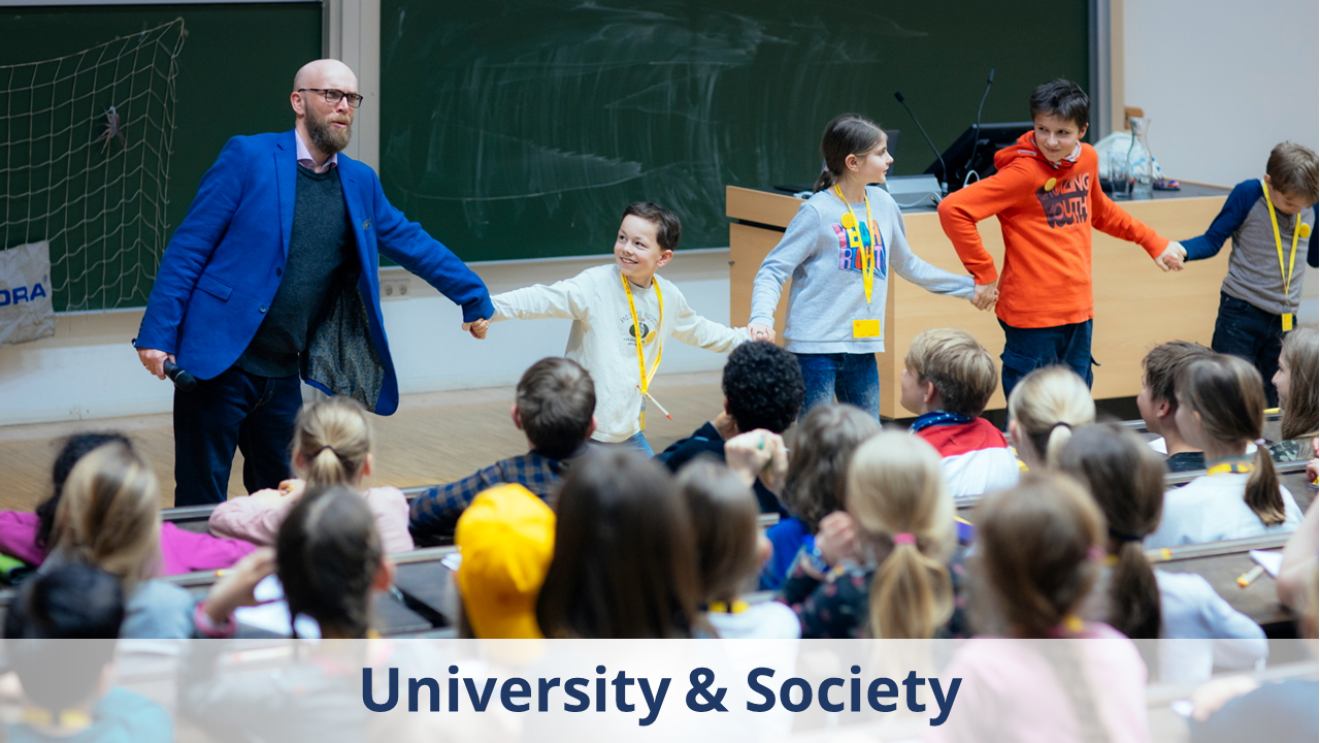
(641, 356)
(1287, 273)
(861, 328)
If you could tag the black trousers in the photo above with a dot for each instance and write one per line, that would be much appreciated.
(1243, 329)
(235, 409)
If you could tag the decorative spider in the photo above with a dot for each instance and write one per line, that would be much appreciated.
(112, 130)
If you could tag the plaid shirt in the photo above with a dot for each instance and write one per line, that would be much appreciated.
(437, 509)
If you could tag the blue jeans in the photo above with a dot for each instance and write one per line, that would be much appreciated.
(636, 441)
(851, 377)
(235, 409)
(1243, 329)
(1028, 349)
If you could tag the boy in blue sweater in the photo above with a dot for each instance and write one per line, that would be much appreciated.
(1267, 219)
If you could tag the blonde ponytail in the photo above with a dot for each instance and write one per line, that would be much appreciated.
(1047, 404)
(331, 441)
(897, 494)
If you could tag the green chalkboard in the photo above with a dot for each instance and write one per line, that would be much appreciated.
(521, 129)
(107, 206)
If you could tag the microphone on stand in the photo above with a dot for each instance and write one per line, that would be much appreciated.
(971, 160)
(944, 169)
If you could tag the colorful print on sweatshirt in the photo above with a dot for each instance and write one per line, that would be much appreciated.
(850, 258)
(1065, 205)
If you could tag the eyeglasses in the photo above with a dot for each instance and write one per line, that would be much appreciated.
(333, 96)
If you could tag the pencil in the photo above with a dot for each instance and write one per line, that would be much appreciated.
(1250, 576)
(657, 404)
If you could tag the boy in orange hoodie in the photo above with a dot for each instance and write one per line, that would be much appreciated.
(1047, 196)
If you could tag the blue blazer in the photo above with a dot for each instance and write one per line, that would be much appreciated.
(223, 266)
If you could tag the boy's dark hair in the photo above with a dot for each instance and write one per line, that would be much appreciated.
(1292, 170)
(849, 134)
(327, 555)
(73, 601)
(763, 386)
(667, 227)
(960, 368)
(556, 399)
(1161, 367)
(1062, 98)
(75, 447)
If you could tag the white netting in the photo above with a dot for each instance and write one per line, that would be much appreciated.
(99, 199)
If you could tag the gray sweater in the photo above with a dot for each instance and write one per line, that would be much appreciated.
(827, 293)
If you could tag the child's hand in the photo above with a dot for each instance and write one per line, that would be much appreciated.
(234, 589)
(837, 538)
(760, 332)
(756, 454)
(986, 295)
(1173, 256)
(293, 487)
(477, 328)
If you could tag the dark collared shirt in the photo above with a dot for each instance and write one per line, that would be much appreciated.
(437, 509)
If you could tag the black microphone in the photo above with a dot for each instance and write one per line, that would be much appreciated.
(182, 379)
(977, 141)
(944, 169)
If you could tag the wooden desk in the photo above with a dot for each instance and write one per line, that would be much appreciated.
(1137, 306)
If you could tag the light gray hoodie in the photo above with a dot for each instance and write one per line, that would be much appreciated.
(827, 293)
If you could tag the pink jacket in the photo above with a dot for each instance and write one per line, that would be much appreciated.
(181, 551)
(253, 520)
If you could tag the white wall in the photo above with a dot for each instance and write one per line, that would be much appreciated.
(88, 370)
(1222, 82)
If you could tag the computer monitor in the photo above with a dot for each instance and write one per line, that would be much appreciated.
(962, 161)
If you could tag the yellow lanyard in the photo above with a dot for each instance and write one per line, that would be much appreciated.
(1292, 261)
(849, 222)
(1231, 467)
(637, 334)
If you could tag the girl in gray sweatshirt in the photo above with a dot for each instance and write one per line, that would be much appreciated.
(838, 251)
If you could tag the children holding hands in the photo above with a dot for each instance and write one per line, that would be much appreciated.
(1262, 291)
(622, 315)
(1047, 197)
(840, 266)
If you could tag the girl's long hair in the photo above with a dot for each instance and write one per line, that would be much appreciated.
(625, 563)
(1229, 395)
(896, 486)
(1126, 479)
(1301, 408)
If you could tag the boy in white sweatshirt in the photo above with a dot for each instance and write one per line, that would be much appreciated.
(611, 306)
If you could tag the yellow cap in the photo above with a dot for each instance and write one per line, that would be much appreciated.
(848, 221)
(507, 538)
(1051, 183)
(1304, 230)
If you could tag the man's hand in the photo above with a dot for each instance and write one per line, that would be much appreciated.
(154, 360)
(477, 328)
(1173, 256)
(986, 295)
(760, 332)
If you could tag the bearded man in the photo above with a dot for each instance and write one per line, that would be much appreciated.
(272, 276)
